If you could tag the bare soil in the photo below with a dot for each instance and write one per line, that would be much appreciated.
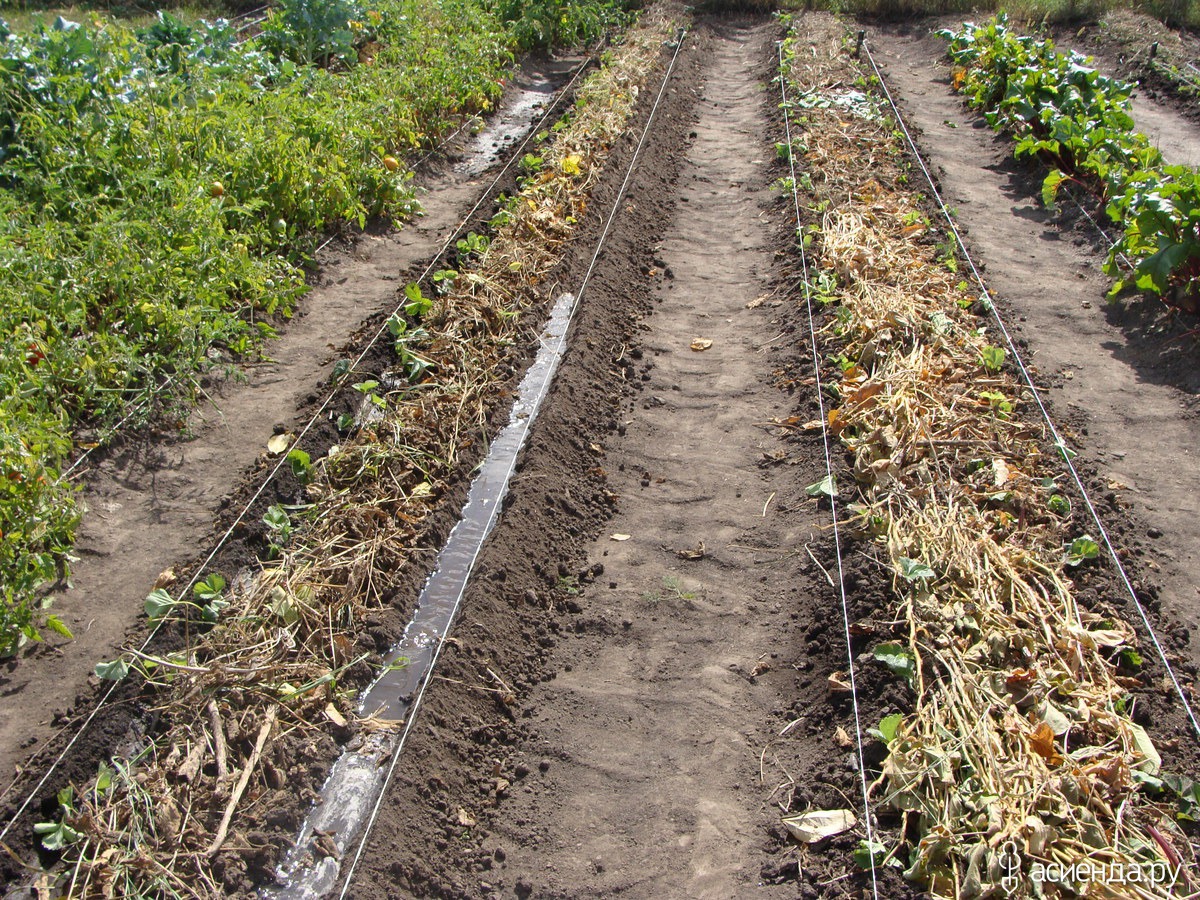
(637, 685)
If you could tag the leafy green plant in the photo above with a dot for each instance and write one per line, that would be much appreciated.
(418, 304)
(280, 527)
(159, 604)
(999, 403)
(674, 584)
(1130, 658)
(406, 339)
(543, 23)
(210, 594)
(992, 358)
(1187, 793)
(1080, 123)
(300, 463)
(899, 660)
(914, 570)
(1081, 549)
(314, 32)
(826, 487)
(61, 834)
(112, 671)
(474, 244)
(889, 727)
(869, 854)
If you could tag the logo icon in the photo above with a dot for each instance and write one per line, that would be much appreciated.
(1010, 864)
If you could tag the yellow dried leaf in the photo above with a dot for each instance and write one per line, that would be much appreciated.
(699, 344)
(1000, 472)
(1042, 742)
(839, 683)
(866, 392)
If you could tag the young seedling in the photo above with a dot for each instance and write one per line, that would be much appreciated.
(279, 524)
(1081, 549)
(59, 835)
(211, 595)
(992, 358)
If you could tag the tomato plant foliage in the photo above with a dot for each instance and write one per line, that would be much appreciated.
(161, 189)
(1066, 113)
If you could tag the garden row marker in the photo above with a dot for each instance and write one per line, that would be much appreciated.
(1058, 441)
(517, 153)
(837, 537)
(528, 422)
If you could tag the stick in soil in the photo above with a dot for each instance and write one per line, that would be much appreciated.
(252, 763)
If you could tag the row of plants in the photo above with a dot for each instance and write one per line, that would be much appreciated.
(1066, 113)
(277, 655)
(161, 187)
(1023, 767)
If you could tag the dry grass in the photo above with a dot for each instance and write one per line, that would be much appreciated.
(1021, 730)
(166, 821)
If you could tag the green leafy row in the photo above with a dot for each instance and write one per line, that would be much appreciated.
(160, 189)
(1079, 121)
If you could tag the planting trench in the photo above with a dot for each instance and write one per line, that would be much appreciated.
(638, 680)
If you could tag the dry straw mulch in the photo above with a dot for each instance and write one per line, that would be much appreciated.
(1020, 752)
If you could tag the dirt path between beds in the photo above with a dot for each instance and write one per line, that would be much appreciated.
(1128, 389)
